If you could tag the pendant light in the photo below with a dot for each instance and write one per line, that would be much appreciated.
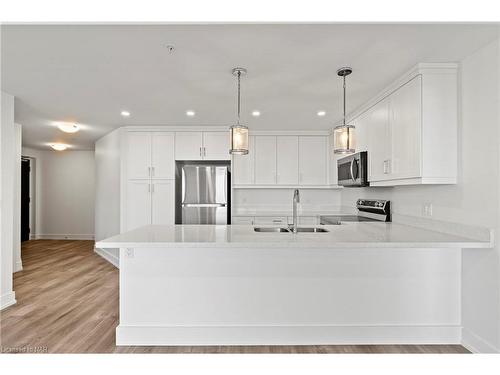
(239, 133)
(344, 134)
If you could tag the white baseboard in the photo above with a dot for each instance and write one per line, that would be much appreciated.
(64, 237)
(286, 335)
(476, 344)
(111, 258)
(7, 300)
(18, 266)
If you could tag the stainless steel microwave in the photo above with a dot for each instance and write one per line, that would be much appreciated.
(353, 170)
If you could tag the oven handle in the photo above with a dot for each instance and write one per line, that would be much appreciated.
(352, 174)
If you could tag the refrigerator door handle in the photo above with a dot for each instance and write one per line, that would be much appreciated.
(203, 205)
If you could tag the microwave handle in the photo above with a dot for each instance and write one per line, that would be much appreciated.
(352, 173)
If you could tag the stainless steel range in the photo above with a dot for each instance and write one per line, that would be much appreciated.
(368, 210)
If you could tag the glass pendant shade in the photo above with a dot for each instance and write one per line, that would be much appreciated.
(344, 141)
(239, 140)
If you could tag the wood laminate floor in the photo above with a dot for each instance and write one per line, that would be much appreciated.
(67, 302)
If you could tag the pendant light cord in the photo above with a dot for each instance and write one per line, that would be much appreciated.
(239, 75)
(344, 98)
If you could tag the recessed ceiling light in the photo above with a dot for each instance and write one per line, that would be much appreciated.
(59, 146)
(69, 128)
(321, 113)
(190, 113)
(256, 113)
(125, 113)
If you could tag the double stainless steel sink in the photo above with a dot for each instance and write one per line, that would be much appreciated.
(286, 230)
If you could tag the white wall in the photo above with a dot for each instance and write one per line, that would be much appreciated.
(64, 195)
(7, 162)
(474, 200)
(107, 192)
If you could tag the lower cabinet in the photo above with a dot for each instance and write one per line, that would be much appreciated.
(162, 202)
(274, 220)
(149, 202)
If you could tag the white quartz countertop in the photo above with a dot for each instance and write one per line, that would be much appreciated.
(346, 235)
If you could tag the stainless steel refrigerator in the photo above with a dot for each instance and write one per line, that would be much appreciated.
(203, 193)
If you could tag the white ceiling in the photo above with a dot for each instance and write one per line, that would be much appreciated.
(89, 73)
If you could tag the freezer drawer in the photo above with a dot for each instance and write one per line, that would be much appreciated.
(204, 215)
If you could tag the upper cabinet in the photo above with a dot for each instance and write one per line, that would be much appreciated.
(283, 161)
(410, 130)
(287, 160)
(313, 160)
(265, 160)
(243, 165)
(149, 155)
(202, 145)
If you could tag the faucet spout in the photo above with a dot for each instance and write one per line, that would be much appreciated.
(296, 200)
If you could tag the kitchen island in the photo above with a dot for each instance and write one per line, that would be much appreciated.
(357, 283)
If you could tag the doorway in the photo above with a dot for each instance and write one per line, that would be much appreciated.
(25, 199)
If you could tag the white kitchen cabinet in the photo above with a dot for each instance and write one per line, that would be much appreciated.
(361, 135)
(149, 154)
(163, 202)
(380, 144)
(405, 123)
(162, 155)
(243, 165)
(287, 160)
(216, 146)
(188, 146)
(265, 160)
(271, 220)
(202, 145)
(412, 129)
(138, 204)
(312, 160)
(242, 220)
(138, 155)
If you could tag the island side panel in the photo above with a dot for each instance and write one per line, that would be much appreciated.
(245, 296)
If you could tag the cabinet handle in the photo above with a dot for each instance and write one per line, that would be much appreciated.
(149, 188)
(149, 171)
(204, 151)
(152, 171)
(277, 220)
(152, 188)
(200, 151)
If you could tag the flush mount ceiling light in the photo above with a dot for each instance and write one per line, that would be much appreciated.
(59, 146)
(125, 113)
(321, 113)
(68, 128)
(190, 113)
(256, 113)
(344, 134)
(239, 133)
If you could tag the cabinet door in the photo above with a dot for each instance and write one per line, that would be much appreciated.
(162, 155)
(188, 146)
(379, 142)
(138, 155)
(163, 202)
(138, 204)
(242, 220)
(361, 132)
(287, 160)
(312, 160)
(406, 106)
(216, 146)
(265, 160)
(243, 165)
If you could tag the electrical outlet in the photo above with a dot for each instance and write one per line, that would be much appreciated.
(427, 209)
(130, 253)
